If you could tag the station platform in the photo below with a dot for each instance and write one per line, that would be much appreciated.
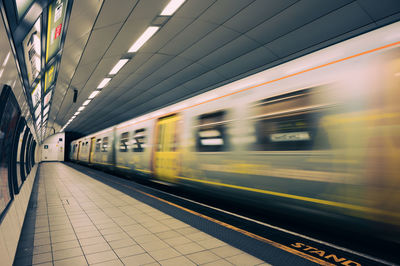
(73, 219)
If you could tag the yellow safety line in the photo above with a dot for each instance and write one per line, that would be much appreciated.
(279, 194)
(48, 33)
(124, 167)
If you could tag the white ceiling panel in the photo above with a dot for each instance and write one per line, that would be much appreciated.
(257, 12)
(339, 22)
(380, 9)
(283, 23)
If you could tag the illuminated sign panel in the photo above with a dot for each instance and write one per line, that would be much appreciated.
(55, 26)
(36, 94)
(47, 99)
(32, 52)
(49, 77)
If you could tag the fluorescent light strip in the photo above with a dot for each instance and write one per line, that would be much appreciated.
(6, 60)
(81, 108)
(171, 7)
(118, 66)
(93, 94)
(103, 83)
(77, 113)
(150, 31)
(86, 102)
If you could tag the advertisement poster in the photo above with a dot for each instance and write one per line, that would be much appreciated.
(49, 77)
(32, 52)
(55, 26)
(36, 94)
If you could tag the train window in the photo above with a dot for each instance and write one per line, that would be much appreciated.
(290, 122)
(160, 137)
(211, 133)
(73, 148)
(105, 144)
(98, 145)
(124, 139)
(139, 140)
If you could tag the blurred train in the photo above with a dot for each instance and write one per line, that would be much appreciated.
(318, 134)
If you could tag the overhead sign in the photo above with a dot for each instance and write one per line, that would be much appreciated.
(36, 94)
(22, 6)
(49, 77)
(55, 27)
(32, 52)
(47, 98)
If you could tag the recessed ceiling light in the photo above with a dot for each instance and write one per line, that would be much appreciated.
(93, 94)
(118, 66)
(103, 83)
(143, 38)
(171, 7)
(86, 102)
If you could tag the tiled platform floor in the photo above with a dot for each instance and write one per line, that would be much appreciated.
(75, 220)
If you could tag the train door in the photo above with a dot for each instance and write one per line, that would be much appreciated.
(166, 155)
(79, 149)
(92, 146)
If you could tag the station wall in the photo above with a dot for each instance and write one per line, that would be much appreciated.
(11, 225)
(53, 148)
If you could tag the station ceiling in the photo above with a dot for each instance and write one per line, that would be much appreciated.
(205, 44)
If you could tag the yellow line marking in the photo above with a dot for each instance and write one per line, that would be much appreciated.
(257, 237)
(102, 163)
(48, 33)
(143, 170)
(279, 194)
(122, 166)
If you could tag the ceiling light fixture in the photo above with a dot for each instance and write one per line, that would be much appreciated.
(81, 108)
(93, 94)
(86, 102)
(77, 113)
(171, 7)
(103, 83)
(150, 31)
(118, 66)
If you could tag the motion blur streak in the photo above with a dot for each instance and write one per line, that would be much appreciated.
(321, 142)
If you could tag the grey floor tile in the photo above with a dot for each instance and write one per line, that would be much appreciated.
(65, 245)
(43, 257)
(109, 263)
(76, 261)
(67, 253)
(101, 257)
(140, 259)
(96, 248)
(129, 251)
